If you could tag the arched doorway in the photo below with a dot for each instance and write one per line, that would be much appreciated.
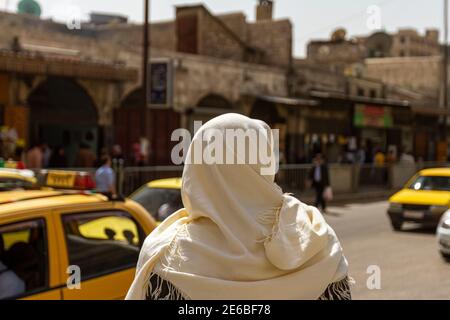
(134, 123)
(214, 101)
(62, 113)
(267, 111)
(208, 107)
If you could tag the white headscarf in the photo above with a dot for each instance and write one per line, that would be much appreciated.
(239, 236)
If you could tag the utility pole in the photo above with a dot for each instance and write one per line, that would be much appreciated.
(145, 54)
(445, 68)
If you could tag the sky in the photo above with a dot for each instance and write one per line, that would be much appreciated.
(312, 19)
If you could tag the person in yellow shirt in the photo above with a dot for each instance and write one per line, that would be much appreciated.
(379, 159)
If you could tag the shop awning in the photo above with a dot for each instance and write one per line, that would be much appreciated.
(289, 101)
(430, 111)
(358, 99)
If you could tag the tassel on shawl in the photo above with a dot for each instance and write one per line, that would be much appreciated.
(339, 290)
(160, 289)
(170, 253)
(271, 217)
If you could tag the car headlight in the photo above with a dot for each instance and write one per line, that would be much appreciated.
(393, 206)
(438, 209)
(446, 223)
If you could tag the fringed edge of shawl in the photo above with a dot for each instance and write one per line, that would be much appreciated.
(170, 253)
(269, 217)
(339, 290)
(154, 293)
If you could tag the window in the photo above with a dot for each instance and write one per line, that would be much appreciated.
(360, 92)
(431, 183)
(102, 242)
(159, 202)
(7, 184)
(373, 93)
(23, 259)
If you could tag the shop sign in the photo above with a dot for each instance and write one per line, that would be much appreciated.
(373, 116)
(161, 83)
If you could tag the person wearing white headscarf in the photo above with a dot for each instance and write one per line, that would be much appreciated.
(239, 236)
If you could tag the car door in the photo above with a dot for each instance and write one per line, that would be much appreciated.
(102, 248)
(28, 258)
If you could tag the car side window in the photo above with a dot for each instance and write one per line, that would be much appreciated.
(7, 184)
(159, 202)
(23, 259)
(103, 242)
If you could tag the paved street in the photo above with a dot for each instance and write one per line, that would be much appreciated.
(411, 266)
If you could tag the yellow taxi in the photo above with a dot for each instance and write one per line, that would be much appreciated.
(14, 178)
(69, 244)
(424, 199)
(160, 198)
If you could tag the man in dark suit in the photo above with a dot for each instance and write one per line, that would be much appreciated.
(319, 179)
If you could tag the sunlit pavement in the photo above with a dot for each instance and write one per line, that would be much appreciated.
(410, 263)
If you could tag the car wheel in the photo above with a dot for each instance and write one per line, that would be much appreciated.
(397, 225)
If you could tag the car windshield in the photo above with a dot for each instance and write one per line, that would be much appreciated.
(437, 183)
(159, 202)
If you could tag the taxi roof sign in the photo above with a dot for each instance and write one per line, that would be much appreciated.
(11, 164)
(65, 179)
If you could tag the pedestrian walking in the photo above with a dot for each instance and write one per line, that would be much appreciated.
(105, 177)
(379, 159)
(239, 236)
(117, 154)
(34, 156)
(319, 178)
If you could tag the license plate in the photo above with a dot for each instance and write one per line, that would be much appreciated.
(413, 214)
(61, 179)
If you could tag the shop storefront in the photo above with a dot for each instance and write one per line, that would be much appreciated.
(371, 124)
(383, 127)
(428, 130)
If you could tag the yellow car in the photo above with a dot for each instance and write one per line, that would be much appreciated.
(160, 198)
(424, 199)
(59, 244)
(13, 179)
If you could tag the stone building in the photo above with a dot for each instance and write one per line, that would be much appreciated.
(69, 86)
(338, 50)
(418, 79)
(404, 69)
(408, 43)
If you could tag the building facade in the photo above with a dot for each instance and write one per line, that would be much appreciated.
(67, 87)
(71, 86)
